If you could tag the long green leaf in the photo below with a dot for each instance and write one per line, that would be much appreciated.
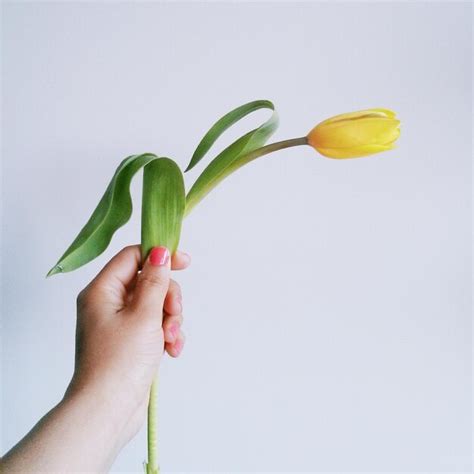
(233, 157)
(112, 212)
(222, 125)
(163, 203)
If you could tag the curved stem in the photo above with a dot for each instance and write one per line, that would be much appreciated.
(243, 160)
(264, 150)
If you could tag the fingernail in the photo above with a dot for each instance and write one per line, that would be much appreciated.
(173, 332)
(159, 256)
(178, 346)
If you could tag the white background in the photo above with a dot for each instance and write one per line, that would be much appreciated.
(327, 308)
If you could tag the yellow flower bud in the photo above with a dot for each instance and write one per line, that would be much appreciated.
(355, 134)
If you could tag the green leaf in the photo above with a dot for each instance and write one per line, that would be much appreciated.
(222, 125)
(112, 212)
(234, 156)
(163, 203)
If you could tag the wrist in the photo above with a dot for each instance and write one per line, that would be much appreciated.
(111, 391)
(112, 412)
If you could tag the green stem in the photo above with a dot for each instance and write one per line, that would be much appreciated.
(242, 160)
(264, 150)
(152, 466)
(148, 240)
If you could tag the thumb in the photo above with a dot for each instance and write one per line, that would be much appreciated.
(152, 283)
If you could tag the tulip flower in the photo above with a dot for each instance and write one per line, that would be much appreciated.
(165, 202)
(355, 134)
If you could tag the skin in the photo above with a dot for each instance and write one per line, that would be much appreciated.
(126, 319)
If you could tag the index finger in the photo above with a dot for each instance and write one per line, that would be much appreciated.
(180, 260)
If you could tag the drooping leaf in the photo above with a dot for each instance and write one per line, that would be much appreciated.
(112, 212)
(233, 157)
(163, 203)
(222, 125)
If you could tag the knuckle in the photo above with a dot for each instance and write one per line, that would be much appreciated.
(172, 320)
(82, 298)
(175, 288)
(130, 248)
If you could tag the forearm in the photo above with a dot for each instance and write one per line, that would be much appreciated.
(83, 433)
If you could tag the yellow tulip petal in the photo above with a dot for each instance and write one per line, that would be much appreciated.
(344, 134)
(379, 112)
(355, 134)
(357, 152)
(387, 112)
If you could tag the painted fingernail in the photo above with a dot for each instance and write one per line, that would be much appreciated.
(172, 332)
(170, 336)
(159, 256)
(178, 347)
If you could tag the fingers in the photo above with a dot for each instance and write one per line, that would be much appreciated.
(174, 336)
(173, 300)
(180, 260)
(121, 269)
(172, 327)
(152, 283)
(174, 349)
(173, 319)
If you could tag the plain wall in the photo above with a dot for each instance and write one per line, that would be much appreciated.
(327, 309)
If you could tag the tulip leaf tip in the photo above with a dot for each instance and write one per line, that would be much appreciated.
(56, 269)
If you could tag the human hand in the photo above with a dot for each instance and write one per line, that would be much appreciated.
(125, 320)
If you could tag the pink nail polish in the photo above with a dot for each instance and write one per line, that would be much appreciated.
(178, 346)
(169, 336)
(173, 332)
(159, 256)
